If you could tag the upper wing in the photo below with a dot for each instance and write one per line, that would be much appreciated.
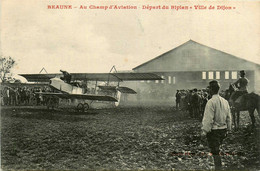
(81, 96)
(23, 84)
(132, 76)
(129, 76)
(39, 77)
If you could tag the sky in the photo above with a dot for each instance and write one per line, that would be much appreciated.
(93, 40)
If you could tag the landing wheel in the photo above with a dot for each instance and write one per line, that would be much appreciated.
(86, 107)
(33, 101)
(51, 103)
(82, 107)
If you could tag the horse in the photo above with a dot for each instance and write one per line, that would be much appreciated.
(247, 102)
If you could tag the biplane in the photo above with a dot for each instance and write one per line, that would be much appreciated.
(77, 90)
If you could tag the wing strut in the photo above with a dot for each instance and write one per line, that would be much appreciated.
(43, 69)
(113, 67)
(95, 87)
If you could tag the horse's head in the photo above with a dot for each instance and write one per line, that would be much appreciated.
(228, 92)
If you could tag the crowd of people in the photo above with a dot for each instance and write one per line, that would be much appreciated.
(23, 96)
(193, 101)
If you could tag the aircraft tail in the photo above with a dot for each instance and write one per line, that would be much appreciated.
(126, 90)
(117, 91)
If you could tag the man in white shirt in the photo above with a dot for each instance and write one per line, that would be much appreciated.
(216, 122)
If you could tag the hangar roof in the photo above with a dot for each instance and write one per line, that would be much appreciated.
(193, 56)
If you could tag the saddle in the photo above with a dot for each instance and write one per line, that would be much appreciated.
(237, 97)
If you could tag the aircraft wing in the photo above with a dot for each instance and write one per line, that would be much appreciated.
(80, 96)
(135, 76)
(39, 77)
(126, 90)
(128, 76)
(23, 84)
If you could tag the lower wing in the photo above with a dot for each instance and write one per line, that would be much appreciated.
(80, 96)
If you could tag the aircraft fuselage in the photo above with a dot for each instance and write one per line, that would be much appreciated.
(60, 85)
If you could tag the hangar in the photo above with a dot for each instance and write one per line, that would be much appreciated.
(193, 65)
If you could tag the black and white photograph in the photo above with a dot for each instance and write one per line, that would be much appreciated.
(130, 85)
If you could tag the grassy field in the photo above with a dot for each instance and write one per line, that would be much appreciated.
(122, 138)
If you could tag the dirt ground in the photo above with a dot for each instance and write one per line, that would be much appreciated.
(137, 138)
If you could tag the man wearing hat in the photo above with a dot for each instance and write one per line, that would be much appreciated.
(216, 122)
(195, 103)
(66, 76)
(178, 99)
(241, 84)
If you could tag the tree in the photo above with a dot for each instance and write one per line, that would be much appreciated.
(6, 64)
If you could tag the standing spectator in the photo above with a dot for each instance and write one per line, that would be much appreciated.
(23, 95)
(16, 92)
(1, 96)
(216, 122)
(12, 97)
(40, 97)
(27, 96)
(203, 103)
(19, 95)
(195, 103)
(31, 96)
(44, 97)
(37, 96)
(5, 99)
(8, 96)
(188, 97)
(178, 99)
(184, 100)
